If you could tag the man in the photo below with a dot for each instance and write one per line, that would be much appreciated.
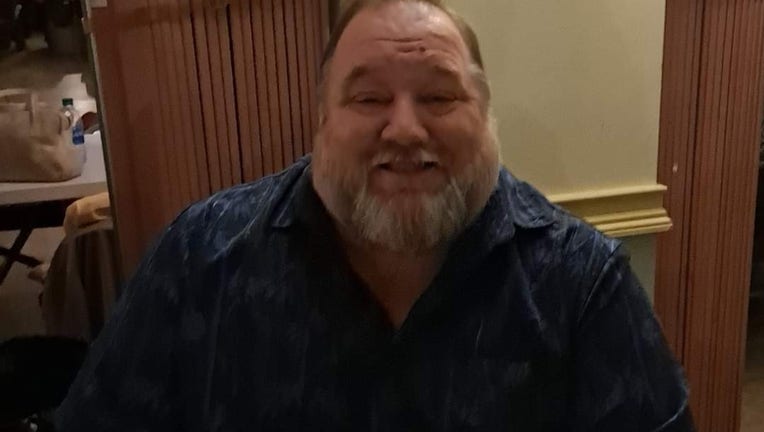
(397, 280)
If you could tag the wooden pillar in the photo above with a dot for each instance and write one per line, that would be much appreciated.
(708, 156)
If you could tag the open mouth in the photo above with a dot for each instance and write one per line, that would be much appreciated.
(408, 166)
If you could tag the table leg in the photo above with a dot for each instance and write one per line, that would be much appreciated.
(14, 253)
(23, 259)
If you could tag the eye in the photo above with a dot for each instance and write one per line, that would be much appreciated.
(438, 98)
(370, 99)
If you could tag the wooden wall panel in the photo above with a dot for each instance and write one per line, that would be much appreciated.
(198, 17)
(269, 133)
(200, 95)
(675, 155)
(230, 95)
(282, 73)
(190, 87)
(272, 79)
(129, 84)
(293, 79)
(167, 144)
(710, 120)
(314, 58)
(304, 75)
(241, 35)
(218, 103)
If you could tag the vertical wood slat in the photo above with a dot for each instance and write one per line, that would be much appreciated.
(676, 153)
(230, 96)
(191, 75)
(282, 69)
(317, 40)
(746, 130)
(242, 80)
(252, 91)
(710, 116)
(746, 95)
(293, 80)
(730, 195)
(165, 145)
(267, 131)
(174, 122)
(314, 60)
(272, 80)
(716, 102)
(700, 300)
(218, 102)
(114, 105)
(304, 76)
(749, 110)
(207, 106)
(185, 107)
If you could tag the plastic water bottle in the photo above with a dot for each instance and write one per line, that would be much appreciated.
(78, 132)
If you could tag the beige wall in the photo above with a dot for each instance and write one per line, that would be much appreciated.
(642, 249)
(576, 91)
(576, 88)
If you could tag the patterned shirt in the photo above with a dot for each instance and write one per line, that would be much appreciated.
(246, 316)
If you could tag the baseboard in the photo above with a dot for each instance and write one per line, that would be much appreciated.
(619, 212)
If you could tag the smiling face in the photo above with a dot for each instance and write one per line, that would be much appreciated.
(405, 155)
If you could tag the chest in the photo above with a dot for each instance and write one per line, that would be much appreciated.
(308, 349)
(313, 371)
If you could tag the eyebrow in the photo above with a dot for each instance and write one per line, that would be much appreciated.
(359, 72)
(446, 72)
(356, 74)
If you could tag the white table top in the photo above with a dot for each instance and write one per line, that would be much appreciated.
(92, 181)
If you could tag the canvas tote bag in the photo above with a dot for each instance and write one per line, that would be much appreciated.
(36, 140)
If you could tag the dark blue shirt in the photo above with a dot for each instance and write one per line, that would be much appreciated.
(245, 316)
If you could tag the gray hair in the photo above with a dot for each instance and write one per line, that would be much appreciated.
(353, 7)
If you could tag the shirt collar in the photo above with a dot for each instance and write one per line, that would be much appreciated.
(512, 204)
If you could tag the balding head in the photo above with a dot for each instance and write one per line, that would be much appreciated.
(352, 8)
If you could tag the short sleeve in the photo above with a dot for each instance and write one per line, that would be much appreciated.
(129, 379)
(626, 378)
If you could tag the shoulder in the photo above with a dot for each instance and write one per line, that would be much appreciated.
(567, 247)
(205, 233)
(533, 211)
(218, 219)
(206, 230)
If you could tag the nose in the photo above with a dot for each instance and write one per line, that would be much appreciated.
(404, 126)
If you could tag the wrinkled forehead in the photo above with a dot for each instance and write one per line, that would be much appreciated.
(400, 31)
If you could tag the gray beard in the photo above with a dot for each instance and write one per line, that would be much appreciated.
(418, 224)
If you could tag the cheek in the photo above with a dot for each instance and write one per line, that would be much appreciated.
(350, 137)
(461, 140)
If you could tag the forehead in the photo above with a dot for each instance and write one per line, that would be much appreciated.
(400, 30)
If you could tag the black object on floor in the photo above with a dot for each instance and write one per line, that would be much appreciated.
(35, 374)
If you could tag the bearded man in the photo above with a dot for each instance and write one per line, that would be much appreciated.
(396, 280)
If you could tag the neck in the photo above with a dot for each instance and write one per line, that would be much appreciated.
(396, 279)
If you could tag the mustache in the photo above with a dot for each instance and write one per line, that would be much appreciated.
(415, 156)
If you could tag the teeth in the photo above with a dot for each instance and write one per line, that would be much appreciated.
(421, 160)
(407, 165)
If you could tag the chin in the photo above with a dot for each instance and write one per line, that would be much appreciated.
(409, 222)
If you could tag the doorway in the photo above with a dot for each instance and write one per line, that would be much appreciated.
(752, 413)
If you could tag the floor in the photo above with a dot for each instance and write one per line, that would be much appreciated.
(53, 77)
(752, 419)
